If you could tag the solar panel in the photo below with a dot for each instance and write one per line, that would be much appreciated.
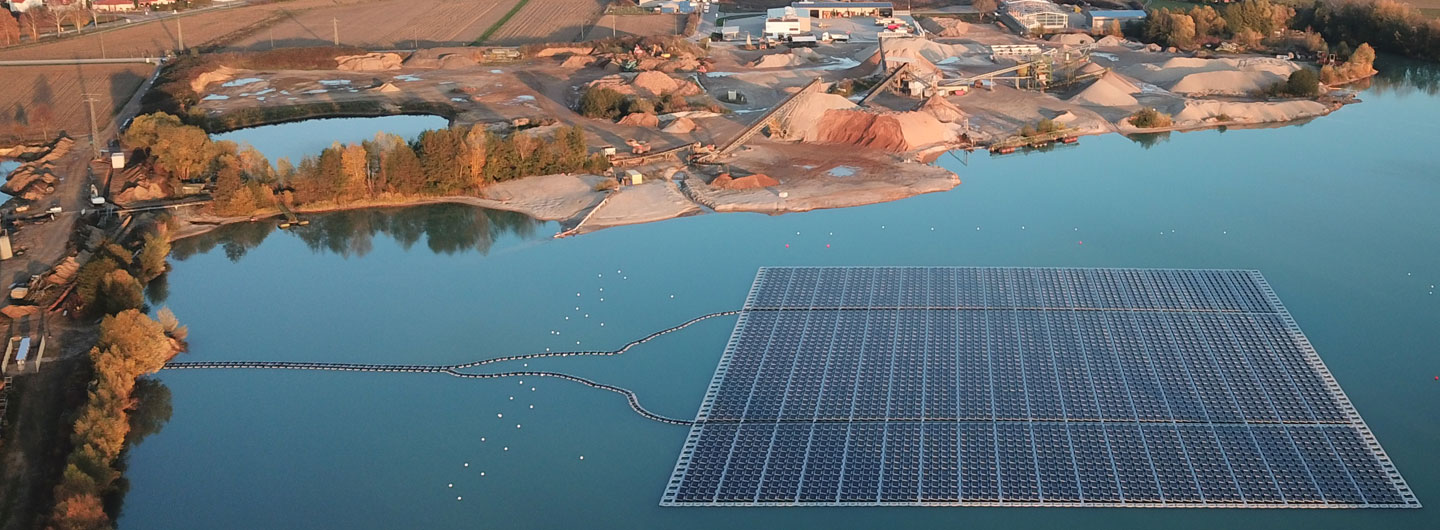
(1026, 387)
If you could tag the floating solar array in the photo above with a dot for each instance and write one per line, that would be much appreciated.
(1032, 387)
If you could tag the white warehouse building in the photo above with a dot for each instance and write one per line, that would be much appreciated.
(786, 21)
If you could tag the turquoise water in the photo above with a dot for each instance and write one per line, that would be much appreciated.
(296, 140)
(1340, 214)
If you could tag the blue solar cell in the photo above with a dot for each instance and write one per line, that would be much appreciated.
(1025, 386)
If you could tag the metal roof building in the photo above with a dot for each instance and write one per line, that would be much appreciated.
(1034, 15)
(845, 9)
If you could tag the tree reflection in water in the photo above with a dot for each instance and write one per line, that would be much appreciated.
(446, 228)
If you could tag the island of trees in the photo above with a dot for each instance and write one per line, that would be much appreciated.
(443, 162)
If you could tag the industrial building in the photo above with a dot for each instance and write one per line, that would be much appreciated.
(1099, 20)
(845, 9)
(783, 22)
(1034, 16)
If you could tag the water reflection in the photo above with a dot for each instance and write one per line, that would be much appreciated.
(446, 228)
(1402, 77)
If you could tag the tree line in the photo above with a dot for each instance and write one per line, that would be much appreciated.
(1326, 27)
(121, 404)
(438, 162)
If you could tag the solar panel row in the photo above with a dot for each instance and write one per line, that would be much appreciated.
(1029, 463)
(997, 288)
(980, 364)
(1027, 387)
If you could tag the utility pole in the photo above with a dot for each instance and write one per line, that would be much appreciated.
(94, 131)
(180, 29)
(102, 45)
(335, 26)
(272, 37)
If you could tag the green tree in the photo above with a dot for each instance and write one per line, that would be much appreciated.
(1303, 83)
(1208, 22)
(152, 256)
(87, 280)
(119, 291)
(403, 172)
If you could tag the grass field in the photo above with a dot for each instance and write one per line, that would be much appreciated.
(382, 24)
(50, 97)
(548, 21)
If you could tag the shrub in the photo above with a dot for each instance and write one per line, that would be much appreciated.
(1303, 83)
(1150, 118)
(601, 103)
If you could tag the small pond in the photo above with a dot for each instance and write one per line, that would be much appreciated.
(296, 140)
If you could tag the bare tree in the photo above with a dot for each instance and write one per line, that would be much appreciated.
(985, 7)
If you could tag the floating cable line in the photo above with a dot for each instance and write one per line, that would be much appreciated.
(455, 369)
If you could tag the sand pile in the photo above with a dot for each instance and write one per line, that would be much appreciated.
(1111, 90)
(793, 58)
(454, 61)
(945, 27)
(578, 61)
(1091, 68)
(218, 75)
(1194, 76)
(942, 109)
(679, 126)
(389, 88)
(1109, 41)
(799, 124)
(142, 191)
(368, 62)
(64, 272)
(565, 50)
(647, 84)
(749, 182)
(889, 132)
(641, 119)
(1072, 39)
(452, 57)
(1198, 112)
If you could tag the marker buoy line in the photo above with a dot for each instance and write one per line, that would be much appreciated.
(454, 369)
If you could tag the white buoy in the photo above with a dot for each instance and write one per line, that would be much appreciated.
(512, 398)
(672, 296)
(602, 299)
(532, 389)
(482, 438)
(450, 485)
(602, 324)
(506, 448)
(582, 457)
(567, 318)
(499, 415)
(932, 229)
(482, 473)
(532, 406)
(517, 425)
(577, 294)
(458, 498)
(977, 229)
(467, 464)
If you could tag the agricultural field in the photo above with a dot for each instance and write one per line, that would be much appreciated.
(160, 37)
(41, 99)
(637, 26)
(549, 21)
(383, 24)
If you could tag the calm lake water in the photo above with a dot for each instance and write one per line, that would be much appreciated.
(1340, 214)
(296, 140)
